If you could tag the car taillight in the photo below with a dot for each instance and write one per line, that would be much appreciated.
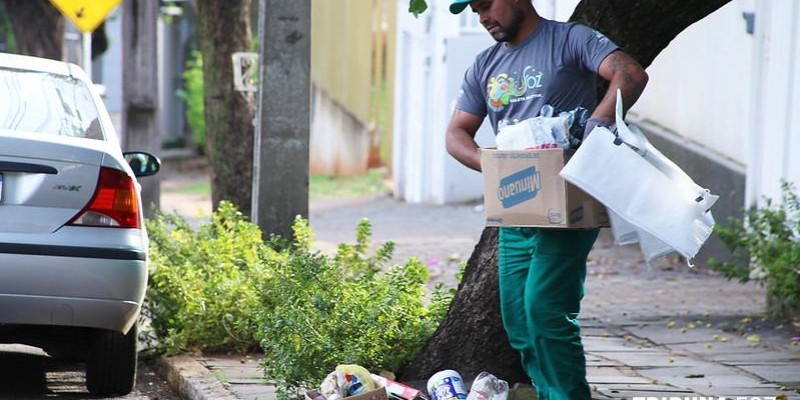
(114, 203)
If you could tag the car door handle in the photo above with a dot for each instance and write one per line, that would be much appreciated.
(8, 166)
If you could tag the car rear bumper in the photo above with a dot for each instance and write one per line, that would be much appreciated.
(115, 315)
(79, 290)
(73, 277)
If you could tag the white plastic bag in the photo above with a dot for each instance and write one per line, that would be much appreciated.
(534, 132)
(660, 206)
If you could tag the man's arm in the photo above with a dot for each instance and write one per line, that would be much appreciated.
(622, 72)
(460, 139)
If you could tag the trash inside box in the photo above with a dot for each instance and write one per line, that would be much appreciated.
(375, 394)
(523, 188)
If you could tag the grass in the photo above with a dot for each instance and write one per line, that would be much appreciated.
(196, 188)
(320, 186)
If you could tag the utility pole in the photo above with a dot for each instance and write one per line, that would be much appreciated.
(283, 120)
(140, 88)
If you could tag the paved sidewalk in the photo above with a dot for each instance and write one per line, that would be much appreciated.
(656, 331)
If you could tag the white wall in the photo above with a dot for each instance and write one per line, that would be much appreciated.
(411, 77)
(339, 142)
(558, 10)
(432, 58)
(700, 85)
(109, 65)
(774, 145)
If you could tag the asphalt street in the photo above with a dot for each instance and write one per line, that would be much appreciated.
(27, 373)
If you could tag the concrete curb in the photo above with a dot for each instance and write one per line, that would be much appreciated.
(191, 379)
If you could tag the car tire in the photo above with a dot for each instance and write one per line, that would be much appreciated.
(111, 362)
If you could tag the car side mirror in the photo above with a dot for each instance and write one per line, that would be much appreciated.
(142, 163)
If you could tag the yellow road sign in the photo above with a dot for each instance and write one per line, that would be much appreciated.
(86, 14)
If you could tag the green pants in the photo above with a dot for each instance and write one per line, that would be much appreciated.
(541, 273)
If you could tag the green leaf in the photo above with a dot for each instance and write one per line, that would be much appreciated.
(417, 7)
(754, 338)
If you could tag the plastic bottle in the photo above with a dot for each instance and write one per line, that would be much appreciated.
(447, 385)
(487, 387)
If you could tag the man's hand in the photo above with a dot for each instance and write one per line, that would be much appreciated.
(592, 123)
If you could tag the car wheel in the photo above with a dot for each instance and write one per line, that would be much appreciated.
(111, 362)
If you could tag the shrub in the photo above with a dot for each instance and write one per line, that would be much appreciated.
(344, 309)
(203, 290)
(767, 245)
(221, 288)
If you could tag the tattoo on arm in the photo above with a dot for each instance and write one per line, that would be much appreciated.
(623, 64)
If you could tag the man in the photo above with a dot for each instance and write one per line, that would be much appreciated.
(541, 271)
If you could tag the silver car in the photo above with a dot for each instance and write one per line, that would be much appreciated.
(73, 248)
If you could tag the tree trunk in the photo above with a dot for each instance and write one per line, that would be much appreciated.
(223, 29)
(643, 28)
(38, 27)
(471, 338)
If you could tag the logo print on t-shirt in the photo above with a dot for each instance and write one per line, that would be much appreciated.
(504, 89)
(599, 37)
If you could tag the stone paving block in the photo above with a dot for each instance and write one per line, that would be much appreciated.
(593, 358)
(662, 361)
(779, 373)
(596, 332)
(754, 358)
(228, 361)
(629, 393)
(730, 347)
(711, 379)
(604, 365)
(664, 336)
(609, 344)
(761, 392)
(237, 372)
(592, 323)
(192, 379)
(655, 359)
(245, 381)
(254, 392)
(654, 388)
(601, 340)
(616, 380)
(602, 371)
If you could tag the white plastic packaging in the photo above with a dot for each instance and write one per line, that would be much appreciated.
(488, 387)
(534, 132)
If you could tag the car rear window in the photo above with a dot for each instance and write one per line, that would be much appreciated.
(47, 103)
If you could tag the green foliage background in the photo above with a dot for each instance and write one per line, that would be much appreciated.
(192, 95)
(767, 244)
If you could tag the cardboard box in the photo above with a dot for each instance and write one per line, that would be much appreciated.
(523, 188)
(375, 394)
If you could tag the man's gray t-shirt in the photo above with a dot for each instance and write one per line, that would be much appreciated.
(556, 65)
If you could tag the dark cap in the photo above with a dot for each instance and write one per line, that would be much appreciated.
(458, 6)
